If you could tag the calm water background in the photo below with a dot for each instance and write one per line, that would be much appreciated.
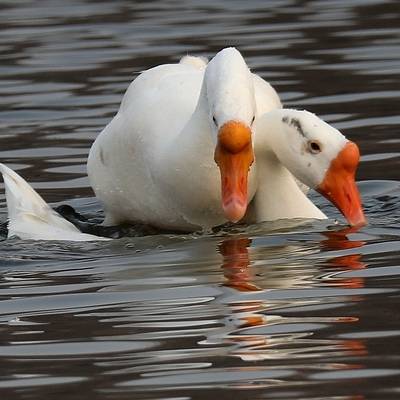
(271, 311)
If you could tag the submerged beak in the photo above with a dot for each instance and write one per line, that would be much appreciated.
(234, 156)
(339, 185)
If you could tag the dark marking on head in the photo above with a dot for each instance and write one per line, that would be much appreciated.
(295, 123)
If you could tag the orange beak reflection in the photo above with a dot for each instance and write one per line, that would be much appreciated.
(339, 185)
(234, 156)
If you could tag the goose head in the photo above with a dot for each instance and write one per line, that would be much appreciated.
(321, 157)
(231, 111)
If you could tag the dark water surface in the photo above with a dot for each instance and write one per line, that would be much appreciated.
(272, 311)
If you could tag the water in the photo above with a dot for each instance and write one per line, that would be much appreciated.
(273, 311)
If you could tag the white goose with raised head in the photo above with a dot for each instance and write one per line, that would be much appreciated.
(178, 153)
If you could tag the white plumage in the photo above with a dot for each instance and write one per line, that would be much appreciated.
(30, 217)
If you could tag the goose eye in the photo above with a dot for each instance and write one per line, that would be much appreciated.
(215, 121)
(314, 147)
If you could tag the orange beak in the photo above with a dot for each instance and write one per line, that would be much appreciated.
(234, 156)
(339, 185)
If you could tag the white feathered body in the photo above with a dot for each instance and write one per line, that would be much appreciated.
(154, 162)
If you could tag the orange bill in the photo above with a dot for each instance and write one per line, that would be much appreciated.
(339, 185)
(234, 156)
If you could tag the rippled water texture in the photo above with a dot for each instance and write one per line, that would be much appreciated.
(274, 311)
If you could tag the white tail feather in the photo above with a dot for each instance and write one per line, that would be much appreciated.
(30, 217)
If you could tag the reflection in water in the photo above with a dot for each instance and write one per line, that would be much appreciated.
(338, 240)
(236, 264)
(237, 261)
(250, 318)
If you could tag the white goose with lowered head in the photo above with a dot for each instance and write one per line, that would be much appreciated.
(292, 143)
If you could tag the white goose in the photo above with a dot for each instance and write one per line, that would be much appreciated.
(154, 162)
(292, 143)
